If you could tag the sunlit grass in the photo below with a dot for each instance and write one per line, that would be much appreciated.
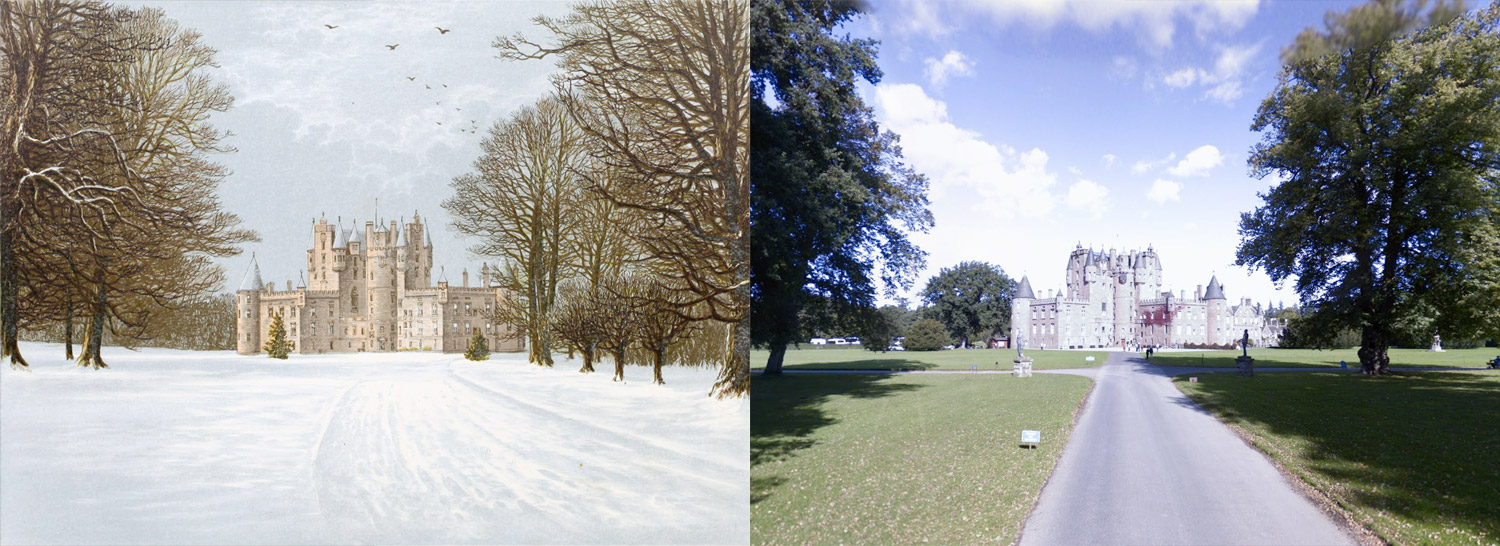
(1412, 455)
(1313, 358)
(903, 459)
(952, 359)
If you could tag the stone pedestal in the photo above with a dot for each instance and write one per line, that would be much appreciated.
(1245, 364)
(1022, 367)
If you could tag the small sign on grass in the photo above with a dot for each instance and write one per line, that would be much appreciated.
(1030, 438)
(1088, 359)
(1192, 380)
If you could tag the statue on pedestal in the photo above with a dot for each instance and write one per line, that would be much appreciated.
(1437, 343)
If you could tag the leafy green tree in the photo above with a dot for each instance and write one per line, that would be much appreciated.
(277, 345)
(830, 196)
(971, 299)
(479, 347)
(1388, 141)
(927, 335)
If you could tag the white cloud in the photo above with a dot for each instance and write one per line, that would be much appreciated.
(1143, 165)
(1075, 170)
(1153, 23)
(1224, 84)
(1198, 162)
(955, 158)
(1088, 196)
(953, 63)
(1181, 78)
(1163, 190)
(1109, 160)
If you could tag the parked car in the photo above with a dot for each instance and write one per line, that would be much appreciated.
(818, 341)
(838, 341)
(852, 340)
(895, 347)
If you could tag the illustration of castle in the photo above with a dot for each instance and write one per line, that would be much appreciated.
(371, 292)
(1114, 298)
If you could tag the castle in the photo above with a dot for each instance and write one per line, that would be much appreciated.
(371, 292)
(1115, 298)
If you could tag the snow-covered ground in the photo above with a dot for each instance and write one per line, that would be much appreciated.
(189, 447)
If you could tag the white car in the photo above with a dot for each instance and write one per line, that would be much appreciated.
(852, 340)
(895, 348)
(818, 341)
(838, 341)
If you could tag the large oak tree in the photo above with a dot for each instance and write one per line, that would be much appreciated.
(1387, 138)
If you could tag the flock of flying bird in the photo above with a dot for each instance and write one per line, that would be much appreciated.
(473, 124)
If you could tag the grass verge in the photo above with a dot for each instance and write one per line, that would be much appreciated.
(1313, 358)
(1412, 457)
(880, 459)
(953, 359)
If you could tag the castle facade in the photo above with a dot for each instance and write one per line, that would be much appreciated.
(371, 289)
(1116, 298)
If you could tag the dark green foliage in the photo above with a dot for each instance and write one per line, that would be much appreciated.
(927, 335)
(971, 299)
(1389, 145)
(479, 347)
(830, 198)
(277, 345)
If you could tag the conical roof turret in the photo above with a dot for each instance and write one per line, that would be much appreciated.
(252, 276)
(1024, 290)
(1215, 291)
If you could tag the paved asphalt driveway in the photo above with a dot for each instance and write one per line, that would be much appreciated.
(1148, 466)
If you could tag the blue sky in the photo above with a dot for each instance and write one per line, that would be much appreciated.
(1121, 124)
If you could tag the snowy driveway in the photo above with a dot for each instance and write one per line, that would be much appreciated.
(192, 447)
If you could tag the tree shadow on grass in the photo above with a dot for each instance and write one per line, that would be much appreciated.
(786, 410)
(1225, 359)
(899, 364)
(1419, 446)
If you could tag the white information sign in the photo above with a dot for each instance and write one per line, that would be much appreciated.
(1031, 436)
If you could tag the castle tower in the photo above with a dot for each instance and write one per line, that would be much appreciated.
(1124, 291)
(1077, 279)
(323, 261)
(1217, 313)
(247, 316)
(1147, 275)
(381, 287)
(1020, 313)
(415, 256)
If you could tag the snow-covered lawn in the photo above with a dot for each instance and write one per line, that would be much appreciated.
(191, 447)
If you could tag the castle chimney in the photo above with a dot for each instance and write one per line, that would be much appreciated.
(466, 277)
(1198, 294)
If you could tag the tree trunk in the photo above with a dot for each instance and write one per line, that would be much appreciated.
(95, 336)
(9, 312)
(657, 357)
(68, 327)
(620, 365)
(734, 373)
(773, 364)
(1373, 356)
(588, 360)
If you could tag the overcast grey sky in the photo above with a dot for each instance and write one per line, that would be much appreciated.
(325, 120)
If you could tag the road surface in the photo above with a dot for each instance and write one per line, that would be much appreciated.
(1148, 466)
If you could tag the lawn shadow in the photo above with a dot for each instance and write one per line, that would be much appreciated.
(895, 364)
(786, 410)
(1420, 446)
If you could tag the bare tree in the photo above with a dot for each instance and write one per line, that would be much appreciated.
(661, 323)
(574, 322)
(663, 87)
(616, 319)
(520, 202)
(107, 188)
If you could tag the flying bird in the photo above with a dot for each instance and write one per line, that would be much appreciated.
(392, 47)
(410, 79)
(427, 86)
(445, 85)
(439, 123)
(442, 30)
(330, 27)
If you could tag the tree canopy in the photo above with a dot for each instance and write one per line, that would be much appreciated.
(1388, 143)
(971, 300)
(832, 203)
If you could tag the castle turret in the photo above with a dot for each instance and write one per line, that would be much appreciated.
(1124, 281)
(1020, 312)
(247, 316)
(1217, 313)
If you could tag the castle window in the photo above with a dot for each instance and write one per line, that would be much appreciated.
(455, 326)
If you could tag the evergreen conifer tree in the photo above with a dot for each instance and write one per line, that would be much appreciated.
(277, 346)
(479, 347)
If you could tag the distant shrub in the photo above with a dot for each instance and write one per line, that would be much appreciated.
(479, 347)
(926, 335)
(277, 346)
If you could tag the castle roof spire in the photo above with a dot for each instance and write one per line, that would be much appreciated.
(252, 276)
(1024, 290)
(1215, 291)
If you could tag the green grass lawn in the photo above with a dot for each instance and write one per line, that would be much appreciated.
(1415, 457)
(953, 359)
(1312, 358)
(902, 459)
